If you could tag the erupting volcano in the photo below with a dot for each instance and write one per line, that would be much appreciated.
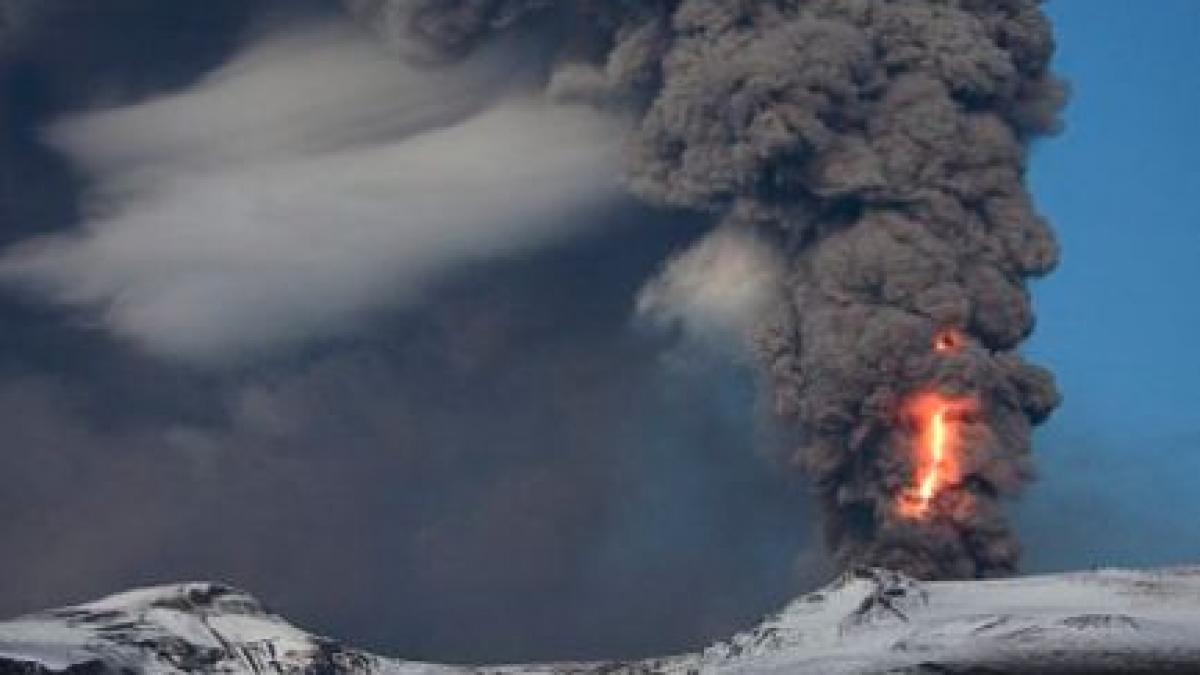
(878, 150)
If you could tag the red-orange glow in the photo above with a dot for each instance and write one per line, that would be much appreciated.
(938, 447)
(949, 340)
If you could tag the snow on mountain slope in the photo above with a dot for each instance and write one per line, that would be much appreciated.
(872, 621)
(188, 628)
(867, 621)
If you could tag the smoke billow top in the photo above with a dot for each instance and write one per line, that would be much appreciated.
(880, 147)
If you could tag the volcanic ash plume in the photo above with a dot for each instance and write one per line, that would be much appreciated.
(881, 145)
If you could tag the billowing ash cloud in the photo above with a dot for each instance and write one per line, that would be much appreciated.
(883, 145)
(311, 179)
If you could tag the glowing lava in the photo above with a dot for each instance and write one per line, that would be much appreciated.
(949, 340)
(938, 446)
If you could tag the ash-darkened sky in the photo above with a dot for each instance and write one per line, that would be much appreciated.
(364, 339)
(360, 339)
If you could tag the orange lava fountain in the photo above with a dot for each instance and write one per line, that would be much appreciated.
(938, 447)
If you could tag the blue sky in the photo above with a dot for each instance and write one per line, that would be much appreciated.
(1119, 320)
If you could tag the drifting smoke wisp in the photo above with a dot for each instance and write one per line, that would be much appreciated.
(716, 290)
(882, 144)
(310, 180)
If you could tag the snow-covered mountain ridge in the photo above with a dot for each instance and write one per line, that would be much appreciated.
(867, 621)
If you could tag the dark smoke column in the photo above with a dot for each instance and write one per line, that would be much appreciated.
(882, 145)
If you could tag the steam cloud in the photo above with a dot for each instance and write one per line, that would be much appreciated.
(882, 145)
(310, 180)
(716, 290)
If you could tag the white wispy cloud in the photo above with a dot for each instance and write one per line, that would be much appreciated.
(312, 179)
(716, 290)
